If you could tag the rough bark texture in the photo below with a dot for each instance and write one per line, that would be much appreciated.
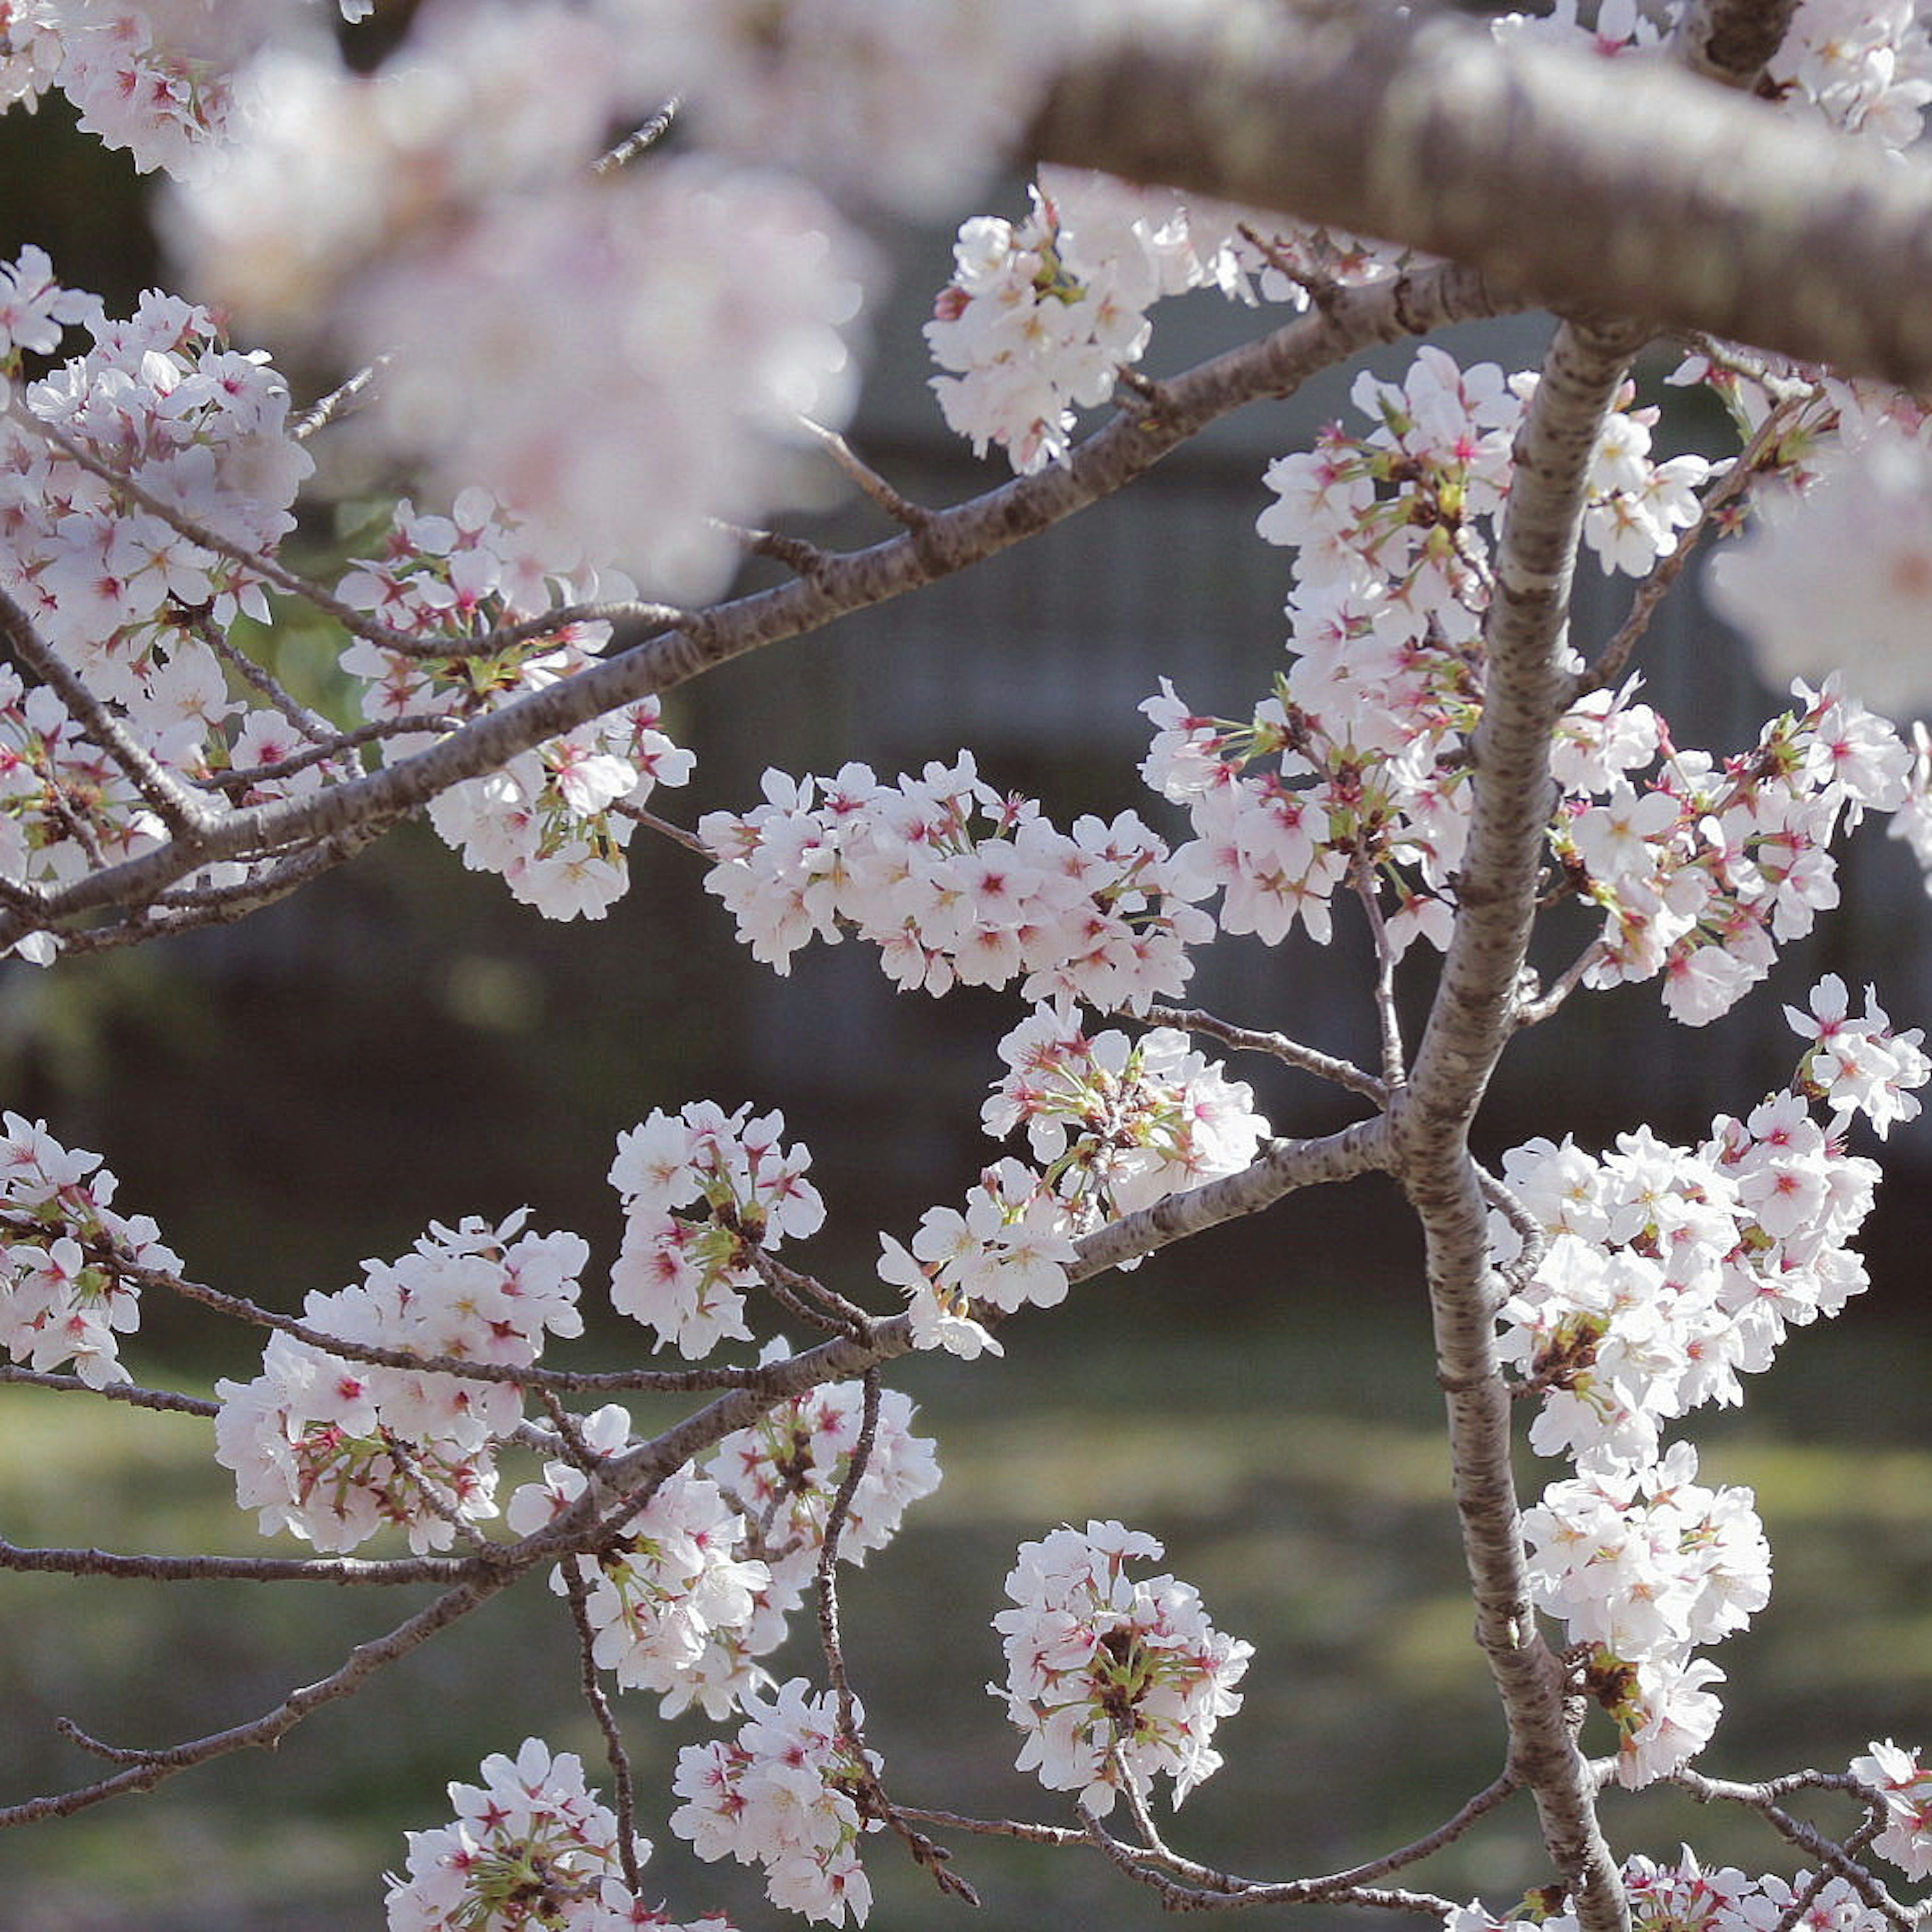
(1470, 1020)
(1613, 187)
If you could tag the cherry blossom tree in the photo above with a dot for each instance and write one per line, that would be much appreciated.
(598, 272)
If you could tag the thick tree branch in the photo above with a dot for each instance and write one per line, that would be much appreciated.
(1605, 187)
(1472, 1018)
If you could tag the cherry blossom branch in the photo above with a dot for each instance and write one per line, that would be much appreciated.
(1763, 1798)
(149, 1768)
(828, 1636)
(312, 725)
(675, 1381)
(130, 1392)
(1245, 1039)
(639, 141)
(1387, 1021)
(1533, 1011)
(902, 510)
(954, 538)
(186, 816)
(1211, 1891)
(641, 815)
(342, 401)
(342, 1569)
(1700, 209)
(1333, 1886)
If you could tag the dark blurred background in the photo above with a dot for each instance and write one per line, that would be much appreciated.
(403, 1043)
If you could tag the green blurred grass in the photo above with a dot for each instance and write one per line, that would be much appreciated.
(1293, 1466)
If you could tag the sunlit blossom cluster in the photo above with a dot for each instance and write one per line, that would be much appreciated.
(669, 1590)
(785, 1793)
(157, 78)
(1117, 1123)
(1114, 1680)
(687, 1594)
(133, 603)
(1903, 1784)
(1643, 1565)
(531, 1846)
(335, 1449)
(1009, 1248)
(701, 1190)
(786, 1470)
(1357, 767)
(1688, 1896)
(956, 886)
(1704, 869)
(551, 821)
(64, 1299)
(1041, 315)
(1667, 1273)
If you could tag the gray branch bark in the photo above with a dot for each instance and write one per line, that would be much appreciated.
(1603, 187)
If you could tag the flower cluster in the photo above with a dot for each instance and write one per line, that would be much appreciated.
(1042, 316)
(126, 597)
(786, 1469)
(64, 1296)
(1118, 1124)
(682, 1273)
(1687, 1897)
(1357, 766)
(335, 1449)
(531, 1848)
(788, 1793)
(1864, 66)
(432, 215)
(156, 77)
(1114, 1681)
(956, 886)
(551, 820)
(1903, 1786)
(1665, 1273)
(783, 1473)
(671, 1595)
(1705, 871)
(1008, 1249)
(1644, 1565)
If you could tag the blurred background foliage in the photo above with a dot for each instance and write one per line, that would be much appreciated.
(403, 1043)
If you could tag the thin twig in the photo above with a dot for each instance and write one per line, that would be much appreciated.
(1244, 1039)
(1388, 1022)
(639, 141)
(130, 1392)
(1533, 1012)
(146, 1769)
(664, 828)
(1611, 661)
(591, 1688)
(342, 401)
(901, 509)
